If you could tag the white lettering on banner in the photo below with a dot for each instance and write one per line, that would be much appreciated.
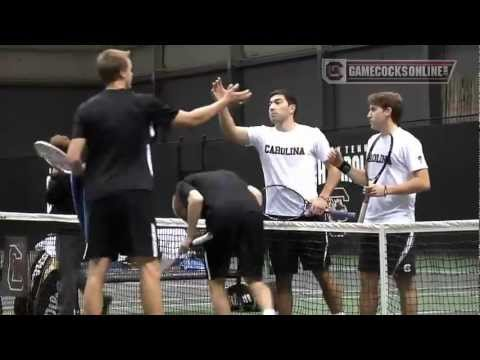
(52, 308)
(357, 162)
(49, 177)
(14, 256)
(322, 173)
(377, 71)
(39, 266)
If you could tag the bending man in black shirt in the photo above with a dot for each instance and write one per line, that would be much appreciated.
(232, 211)
(116, 126)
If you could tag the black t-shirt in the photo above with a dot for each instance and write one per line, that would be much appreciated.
(116, 125)
(225, 194)
(59, 195)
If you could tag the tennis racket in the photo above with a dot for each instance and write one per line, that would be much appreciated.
(295, 204)
(55, 157)
(374, 180)
(182, 250)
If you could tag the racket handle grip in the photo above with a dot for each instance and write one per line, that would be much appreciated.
(363, 212)
(342, 214)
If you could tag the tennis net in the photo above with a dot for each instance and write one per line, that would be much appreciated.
(446, 266)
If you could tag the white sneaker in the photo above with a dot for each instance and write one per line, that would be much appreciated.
(269, 312)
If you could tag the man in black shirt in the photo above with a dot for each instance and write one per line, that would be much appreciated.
(70, 247)
(59, 193)
(116, 127)
(233, 215)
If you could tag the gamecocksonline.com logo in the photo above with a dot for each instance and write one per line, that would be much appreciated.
(335, 70)
(343, 71)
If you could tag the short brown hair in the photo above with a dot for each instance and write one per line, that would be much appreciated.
(60, 141)
(291, 100)
(110, 63)
(388, 100)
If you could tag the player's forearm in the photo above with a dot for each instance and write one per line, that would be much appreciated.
(203, 114)
(195, 207)
(412, 186)
(228, 126)
(358, 176)
(257, 194)
(333, 178)
(75, 155)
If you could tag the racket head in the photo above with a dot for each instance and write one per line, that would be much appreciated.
(374, 176)
(374, 180)
(169, 245)
(55, 157)
(170, 257)
(282, 197)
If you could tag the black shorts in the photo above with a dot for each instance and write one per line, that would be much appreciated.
(124, 224)
(287, 248)
(400, 254)
(238, 236)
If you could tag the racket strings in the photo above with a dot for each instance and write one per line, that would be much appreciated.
(386, 162)
(291, 203)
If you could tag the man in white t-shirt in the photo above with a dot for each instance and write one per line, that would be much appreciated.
(392, 199)
(289, 154)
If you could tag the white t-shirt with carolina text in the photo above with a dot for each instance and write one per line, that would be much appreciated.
(407, 157)
(289, 158)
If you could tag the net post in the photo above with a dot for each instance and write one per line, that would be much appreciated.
(382, 243)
